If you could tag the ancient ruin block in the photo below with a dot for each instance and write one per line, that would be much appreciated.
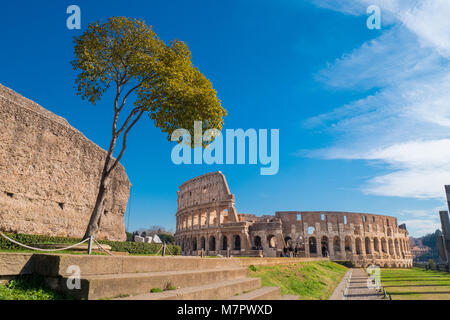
(49, 174)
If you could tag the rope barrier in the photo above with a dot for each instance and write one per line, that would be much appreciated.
(98, 244)
(39, 249)
(159, 250)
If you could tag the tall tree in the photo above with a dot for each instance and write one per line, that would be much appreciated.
(148, 77)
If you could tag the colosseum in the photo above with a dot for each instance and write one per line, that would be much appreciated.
(207, 221)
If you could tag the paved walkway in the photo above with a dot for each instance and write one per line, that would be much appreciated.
(354, 287)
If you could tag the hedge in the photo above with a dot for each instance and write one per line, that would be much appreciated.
(130, 247)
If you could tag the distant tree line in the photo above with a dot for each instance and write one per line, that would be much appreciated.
(430, 240)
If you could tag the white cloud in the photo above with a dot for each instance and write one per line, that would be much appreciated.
(405, 124)
(420, 222)
(431, 23)
(420, 227)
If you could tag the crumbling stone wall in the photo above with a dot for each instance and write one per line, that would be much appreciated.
(358, 237)
(49, 174)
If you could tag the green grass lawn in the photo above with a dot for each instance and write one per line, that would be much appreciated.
(416, 284)
(315, 280)
(28, 288)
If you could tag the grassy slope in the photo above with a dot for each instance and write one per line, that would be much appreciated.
(416, 284)
(315, 280)
(28, 288)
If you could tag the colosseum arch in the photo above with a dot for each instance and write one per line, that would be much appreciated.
(212, 243)
(236, 242)
(384, 248)
(397, 247)
(358, 246)
(312, 245)
(288, 242)
(376, 245)
(272, 241)
(391, 247)
(300, 246)
(348, 244)
(368, 245)
(337, 245)
(224, 243)
(257, 242)
(194, 244)
(324, 246)
(202, 243)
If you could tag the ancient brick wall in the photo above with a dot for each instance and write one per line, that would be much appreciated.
(49, 174)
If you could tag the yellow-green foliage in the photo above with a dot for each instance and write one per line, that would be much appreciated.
(28, 288)
(315, 280)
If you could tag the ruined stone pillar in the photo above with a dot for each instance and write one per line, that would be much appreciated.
(208, 216)
(306, 241)
(447, 192)
(218, 217)
(331, 252)
(363, 246)
(443, 242)
(353, 239)
(319, 245)
(343, 253)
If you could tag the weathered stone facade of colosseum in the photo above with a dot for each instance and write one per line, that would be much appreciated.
(49, 174)
(207, 220)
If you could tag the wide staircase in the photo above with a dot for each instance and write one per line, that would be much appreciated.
(155, 278)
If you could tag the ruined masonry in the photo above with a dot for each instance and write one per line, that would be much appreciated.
(443, 241)
(207, 220)
(49, 174)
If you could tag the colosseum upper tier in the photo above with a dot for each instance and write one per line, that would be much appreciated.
(49, 174)
(207, 220)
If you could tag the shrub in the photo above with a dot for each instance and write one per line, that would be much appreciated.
(32, 240)
(431, 264)
(154, 290)
(140, 247)
(252, 268)
(170, 286)
(130, 247)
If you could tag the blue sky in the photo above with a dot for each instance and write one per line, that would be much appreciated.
(363, 114)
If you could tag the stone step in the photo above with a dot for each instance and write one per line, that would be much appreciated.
(58, 265)
(264, 293)
(113, 286)
(210, 291)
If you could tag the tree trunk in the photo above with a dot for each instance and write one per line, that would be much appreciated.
(94, 222)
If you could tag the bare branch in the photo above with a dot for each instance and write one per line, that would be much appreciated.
(124, 142)
(130, 116)
(128, 93)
